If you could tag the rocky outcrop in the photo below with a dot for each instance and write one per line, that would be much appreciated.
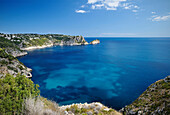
(10, 65)
(95, 108)
(95, 41)
(154, 101)
(35, 41)
(76, 40)
(16, 52)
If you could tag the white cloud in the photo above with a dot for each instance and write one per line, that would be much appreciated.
(80, 11)
(160, 18)
(111, 8)
(97, 6)
(92, 1)
(132, 7)
(153, 12)
(107, 4)
(110, 5)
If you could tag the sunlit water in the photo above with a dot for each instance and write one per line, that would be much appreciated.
(114, 72)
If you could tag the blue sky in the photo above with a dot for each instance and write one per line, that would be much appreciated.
(110, 18)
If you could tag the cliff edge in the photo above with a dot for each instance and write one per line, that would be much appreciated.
(154, 101)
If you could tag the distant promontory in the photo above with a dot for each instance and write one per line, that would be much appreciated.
(95, 41)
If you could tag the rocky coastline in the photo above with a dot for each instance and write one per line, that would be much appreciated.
(155, 100)
(17, 45)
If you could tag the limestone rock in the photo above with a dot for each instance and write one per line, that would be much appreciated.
(95, 41)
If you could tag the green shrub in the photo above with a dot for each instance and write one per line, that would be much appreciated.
(3, 62)
(12, 68)
(13, 91)
(3, 54)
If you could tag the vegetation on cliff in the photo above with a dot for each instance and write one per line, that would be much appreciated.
(13, 91)
(19, 95)
(29, 40)
(155, 100)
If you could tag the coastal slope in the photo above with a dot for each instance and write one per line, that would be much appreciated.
(34, 41)
(154, 101)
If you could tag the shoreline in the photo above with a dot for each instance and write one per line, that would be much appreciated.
(37, 47)
(51, 45)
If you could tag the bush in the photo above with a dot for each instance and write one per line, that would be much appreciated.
(40, 106)
(3, 54)
(13, 91)
(3, 62)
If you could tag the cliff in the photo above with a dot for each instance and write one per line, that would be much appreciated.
(33, 41)
(10, 65)
(154, 101)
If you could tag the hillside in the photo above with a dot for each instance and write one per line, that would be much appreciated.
(10, 65)
(155, 100)
(29, 40)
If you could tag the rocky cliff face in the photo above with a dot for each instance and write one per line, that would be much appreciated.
(154, 101)
(24, 41)
(10, 65)
(76, 40)
(15, 52)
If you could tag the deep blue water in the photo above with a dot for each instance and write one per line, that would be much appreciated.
(114, 72)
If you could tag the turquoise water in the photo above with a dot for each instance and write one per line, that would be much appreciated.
(114, 72)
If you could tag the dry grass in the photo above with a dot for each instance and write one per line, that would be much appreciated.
(40, 106)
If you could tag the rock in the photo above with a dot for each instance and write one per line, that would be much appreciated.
(106, 109)
(29, 69)
(167, 79)
(89, 113)
(132, 112)
(99, 104)
(95, 41)
(96, 111)
(139, 112)
(65, 112)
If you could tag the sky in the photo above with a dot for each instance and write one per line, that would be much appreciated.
(90, 18)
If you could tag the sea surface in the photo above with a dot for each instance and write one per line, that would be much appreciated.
(114, 72)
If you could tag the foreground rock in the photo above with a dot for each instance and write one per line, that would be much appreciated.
(95, 108)
(154, 101)
(95, 41)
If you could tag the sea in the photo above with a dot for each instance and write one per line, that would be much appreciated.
(115, 72)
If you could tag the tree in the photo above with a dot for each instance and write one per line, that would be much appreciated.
(13, 91)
